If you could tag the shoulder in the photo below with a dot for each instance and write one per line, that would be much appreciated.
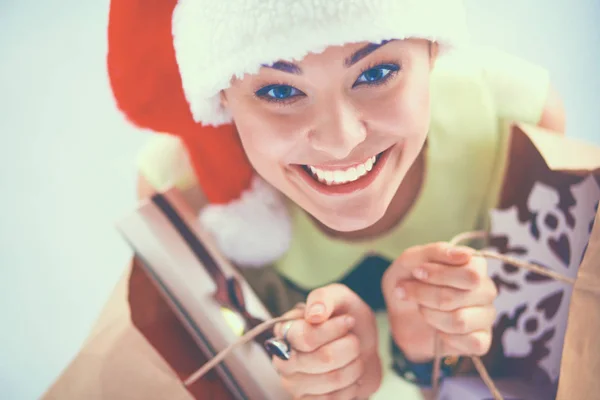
(511, 82)
(460, 95)
(163, 161)
(474, 92)
(463, 109)
(512, 88)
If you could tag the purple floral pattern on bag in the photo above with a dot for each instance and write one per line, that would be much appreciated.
(533, 309)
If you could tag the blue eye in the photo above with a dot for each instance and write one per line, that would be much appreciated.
(278, 92)
(377, 75)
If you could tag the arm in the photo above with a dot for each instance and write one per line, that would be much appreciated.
(553, 115)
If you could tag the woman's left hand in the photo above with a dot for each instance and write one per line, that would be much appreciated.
(441, 289)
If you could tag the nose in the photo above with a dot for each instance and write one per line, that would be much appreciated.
(341, 130)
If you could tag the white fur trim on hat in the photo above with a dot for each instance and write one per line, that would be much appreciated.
(252, 231)
(216, 40)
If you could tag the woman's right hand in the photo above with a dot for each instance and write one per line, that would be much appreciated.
(334, 348)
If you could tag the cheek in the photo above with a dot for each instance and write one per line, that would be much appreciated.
(403, 112)
(415, 113)
(266, 138)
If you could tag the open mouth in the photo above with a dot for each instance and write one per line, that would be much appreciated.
(343, 180)
(332, 177)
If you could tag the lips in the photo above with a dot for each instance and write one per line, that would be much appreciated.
(340, 176)
(346, 179)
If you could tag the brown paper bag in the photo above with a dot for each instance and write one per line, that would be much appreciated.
(548, 201)
(581, 354)
(137, 350)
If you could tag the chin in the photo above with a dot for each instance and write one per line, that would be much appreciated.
(349, 221)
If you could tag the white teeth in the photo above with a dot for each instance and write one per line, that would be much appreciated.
(352, 174)
(338, 177)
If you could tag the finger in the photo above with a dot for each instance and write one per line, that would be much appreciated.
(445, 253)
(301, 384)
(447, 298)
(440, 252)
(330, 357)
(461, 321)
(329, 300)
(474, 344)
(347, 393)
(414, 257)
(447, 350)
(295, 313)
(306, 338)
(338, 299)
(467, 277)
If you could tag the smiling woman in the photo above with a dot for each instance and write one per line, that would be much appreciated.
(331, 148)
(357, 114)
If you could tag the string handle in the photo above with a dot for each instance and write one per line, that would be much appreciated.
(298, 313)
(479, 366)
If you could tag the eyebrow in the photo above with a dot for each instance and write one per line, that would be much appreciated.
(285, 66)
(358, 55)
(363, 52)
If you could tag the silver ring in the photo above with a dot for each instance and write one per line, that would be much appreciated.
(285, 330)
(280, 347)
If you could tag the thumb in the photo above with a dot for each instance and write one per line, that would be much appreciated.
(337, 299)
(323, 302)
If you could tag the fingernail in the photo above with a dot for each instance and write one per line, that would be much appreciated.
(457, 252)
(349, 321)
(316, 310)
(420, 273)
(400, 293)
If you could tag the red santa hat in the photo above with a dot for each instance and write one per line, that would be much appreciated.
(168, 61)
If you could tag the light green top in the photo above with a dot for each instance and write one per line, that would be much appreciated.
(473, 96)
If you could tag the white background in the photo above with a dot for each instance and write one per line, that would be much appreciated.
(67, 171)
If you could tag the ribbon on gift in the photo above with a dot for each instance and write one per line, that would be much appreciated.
(229, 293)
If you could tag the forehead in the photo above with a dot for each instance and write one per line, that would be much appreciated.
(346, 55)
(350, 53)
(337, 58)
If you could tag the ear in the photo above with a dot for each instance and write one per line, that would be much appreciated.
(223, 98)
(434, 50)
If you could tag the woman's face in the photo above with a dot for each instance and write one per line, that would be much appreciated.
(337, 131)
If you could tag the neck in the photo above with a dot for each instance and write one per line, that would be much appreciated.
(403, 200)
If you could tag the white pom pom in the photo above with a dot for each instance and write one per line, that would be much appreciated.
(252, 231)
